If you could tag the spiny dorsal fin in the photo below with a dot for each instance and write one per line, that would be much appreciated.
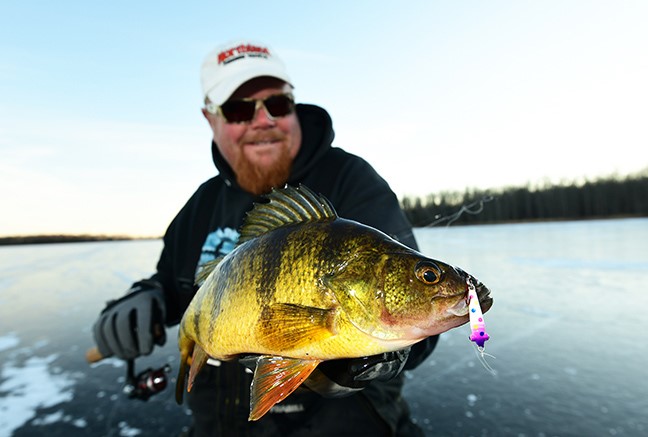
(285, 206)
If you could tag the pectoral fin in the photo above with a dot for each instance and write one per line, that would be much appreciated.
(285, 326)
(274, 379)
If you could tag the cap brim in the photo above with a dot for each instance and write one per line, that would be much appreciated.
(224, 90)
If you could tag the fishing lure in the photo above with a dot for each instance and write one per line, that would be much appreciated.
(477, 325)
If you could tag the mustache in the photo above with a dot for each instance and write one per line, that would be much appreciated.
(270, 135)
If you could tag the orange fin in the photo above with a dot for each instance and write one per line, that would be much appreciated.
(274, 379)
(197, 362)
(287, 326)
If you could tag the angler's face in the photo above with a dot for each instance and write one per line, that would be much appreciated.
(262, 150)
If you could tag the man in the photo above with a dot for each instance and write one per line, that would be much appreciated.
(261, 140)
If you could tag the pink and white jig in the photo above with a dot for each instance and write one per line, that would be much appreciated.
(477, 326)
(478, 333)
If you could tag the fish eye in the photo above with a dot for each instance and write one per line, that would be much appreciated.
(428, 273)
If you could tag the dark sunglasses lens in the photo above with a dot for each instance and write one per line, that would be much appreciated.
(279, 106)
(238, 111)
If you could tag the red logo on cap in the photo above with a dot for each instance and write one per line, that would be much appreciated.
(241, 51)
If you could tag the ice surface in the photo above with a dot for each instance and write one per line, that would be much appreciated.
(30, 386)
(9, 341)
(564, 328)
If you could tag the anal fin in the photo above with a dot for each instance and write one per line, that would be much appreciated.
(274, 379)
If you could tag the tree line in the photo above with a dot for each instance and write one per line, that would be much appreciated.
(607, 197)
(62, 238)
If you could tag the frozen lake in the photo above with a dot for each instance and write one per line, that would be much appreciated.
(567, 330)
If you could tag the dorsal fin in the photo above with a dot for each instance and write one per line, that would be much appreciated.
(206, 269)
(285, 206)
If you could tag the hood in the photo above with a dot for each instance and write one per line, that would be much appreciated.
(317, 137)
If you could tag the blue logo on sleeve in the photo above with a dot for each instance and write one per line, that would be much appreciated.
(219, 243)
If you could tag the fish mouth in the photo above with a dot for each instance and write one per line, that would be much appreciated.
(460, 309)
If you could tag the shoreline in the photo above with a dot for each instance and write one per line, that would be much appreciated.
(50, 239)
(85, 238)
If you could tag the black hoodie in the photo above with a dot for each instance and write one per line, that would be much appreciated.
(208, 223)
(219, 206)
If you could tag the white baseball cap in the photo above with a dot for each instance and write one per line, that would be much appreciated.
(231, 65)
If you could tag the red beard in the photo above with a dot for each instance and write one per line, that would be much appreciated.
(258, 180)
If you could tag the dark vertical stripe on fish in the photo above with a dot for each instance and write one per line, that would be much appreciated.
(332, 248)
(271, 259)
(196, 322)
(326, 254)
(217, 295)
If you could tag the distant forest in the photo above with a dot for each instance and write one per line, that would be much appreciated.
(607, 197)
(603, 198)
(60, 238)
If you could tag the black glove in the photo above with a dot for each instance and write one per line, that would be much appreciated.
(130, 326)
(337, 378)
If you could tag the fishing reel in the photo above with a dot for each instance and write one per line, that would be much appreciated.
(145, 384)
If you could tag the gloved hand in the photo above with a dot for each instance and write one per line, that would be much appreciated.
(130, 326)
(342, 377)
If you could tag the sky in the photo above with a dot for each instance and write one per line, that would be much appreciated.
(101, 130)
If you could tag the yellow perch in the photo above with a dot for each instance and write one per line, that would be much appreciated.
(304, 286)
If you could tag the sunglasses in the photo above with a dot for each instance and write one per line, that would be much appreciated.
(244, 110)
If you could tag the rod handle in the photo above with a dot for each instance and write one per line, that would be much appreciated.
(93, 355)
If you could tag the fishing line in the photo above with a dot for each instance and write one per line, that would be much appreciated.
(481, 356)
(473, 208)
